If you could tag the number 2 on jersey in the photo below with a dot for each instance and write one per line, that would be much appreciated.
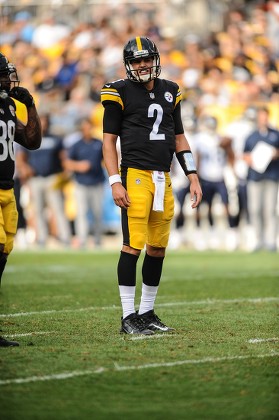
(158, 110)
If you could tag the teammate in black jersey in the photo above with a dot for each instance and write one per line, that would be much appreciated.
(29, 136)
(144, 112)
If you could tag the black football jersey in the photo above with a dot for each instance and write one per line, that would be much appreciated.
(7, 137)
(147, 133)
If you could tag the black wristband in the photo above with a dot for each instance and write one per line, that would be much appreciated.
(187, 163)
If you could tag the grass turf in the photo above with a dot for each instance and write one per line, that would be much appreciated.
(66, 307)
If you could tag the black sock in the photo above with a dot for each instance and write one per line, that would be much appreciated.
(126, 269)
(3, 261)
(152, 270)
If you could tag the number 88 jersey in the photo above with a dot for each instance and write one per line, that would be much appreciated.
(149, 122)
(7, 136)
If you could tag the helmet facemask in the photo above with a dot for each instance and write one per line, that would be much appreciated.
(13, 76)
(152, 72)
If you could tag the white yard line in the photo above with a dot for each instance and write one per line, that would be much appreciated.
(262, 340)
(54, 311)
(193, 361)
(142, 337)
(148, 337)
(75, 373)
(30, 333)
(158, 305)
(162, 335)
(65, 375)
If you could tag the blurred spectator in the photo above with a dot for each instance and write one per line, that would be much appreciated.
(261, 153)
(238, 131)
(48, 34)
(42, 170)
(66, 77)
(213, 154)
(85, 161)
(23, 25)
(79, 106)
(273, 25)
(111, 57)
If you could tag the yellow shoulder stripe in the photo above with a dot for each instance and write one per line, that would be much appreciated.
(111, 95)
(178, 97)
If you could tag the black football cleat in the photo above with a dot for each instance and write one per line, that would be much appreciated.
(7, 343)
(152, 322)
(133, 324)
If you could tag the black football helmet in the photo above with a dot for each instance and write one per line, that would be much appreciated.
(141, 47)
(8, 75)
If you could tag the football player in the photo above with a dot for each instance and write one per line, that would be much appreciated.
(143, 110)
(29, 136)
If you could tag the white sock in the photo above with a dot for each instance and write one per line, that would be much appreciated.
(148, 296)
(127, 296)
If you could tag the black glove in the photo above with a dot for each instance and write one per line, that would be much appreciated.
(22, 95)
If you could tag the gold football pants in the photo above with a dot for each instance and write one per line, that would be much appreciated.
(8, 219)
(140, 223)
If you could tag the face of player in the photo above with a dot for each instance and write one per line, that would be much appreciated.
(143, 68)
(5, 83)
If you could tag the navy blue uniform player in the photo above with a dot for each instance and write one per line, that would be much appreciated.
(261, 152)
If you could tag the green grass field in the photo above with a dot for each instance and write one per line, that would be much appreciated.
(72, 363)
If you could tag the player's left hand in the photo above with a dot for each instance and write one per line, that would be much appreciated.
(21, 94)
(120, 196)
(195, 190)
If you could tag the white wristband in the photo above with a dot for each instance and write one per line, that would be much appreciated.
(114, 178)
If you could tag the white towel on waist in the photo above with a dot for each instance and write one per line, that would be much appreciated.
(159, 180)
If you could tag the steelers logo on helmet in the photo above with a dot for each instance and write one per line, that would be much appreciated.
(139, 48)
